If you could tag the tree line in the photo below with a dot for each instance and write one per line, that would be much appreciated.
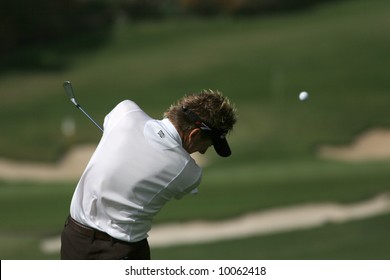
(23, 22)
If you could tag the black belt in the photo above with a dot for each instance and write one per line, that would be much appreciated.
(94, 234)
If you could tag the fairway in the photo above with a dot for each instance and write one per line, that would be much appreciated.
(338, 52)
(358, 240)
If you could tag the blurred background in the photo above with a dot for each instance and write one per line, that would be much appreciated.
(327, 156)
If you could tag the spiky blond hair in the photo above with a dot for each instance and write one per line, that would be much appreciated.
(211, 106)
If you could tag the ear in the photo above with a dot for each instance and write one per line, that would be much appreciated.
(195, 134)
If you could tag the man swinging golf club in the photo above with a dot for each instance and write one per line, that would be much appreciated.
(139, 165)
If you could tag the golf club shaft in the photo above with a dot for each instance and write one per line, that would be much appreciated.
(89, 117)
(69, 90)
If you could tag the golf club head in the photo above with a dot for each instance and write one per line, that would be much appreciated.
(69, 91)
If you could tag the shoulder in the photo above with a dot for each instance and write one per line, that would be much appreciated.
(127, 105)
(122, 109)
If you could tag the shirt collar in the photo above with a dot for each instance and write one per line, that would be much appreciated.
(171, 129)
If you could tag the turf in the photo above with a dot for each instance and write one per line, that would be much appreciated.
(358, 240)
(231, 191)
(261, 63)
(31, 212)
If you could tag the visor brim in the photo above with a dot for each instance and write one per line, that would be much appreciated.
(221, 146)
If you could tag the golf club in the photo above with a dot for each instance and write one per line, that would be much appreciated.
(69, 90)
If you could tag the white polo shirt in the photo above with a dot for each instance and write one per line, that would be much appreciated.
(138, 166)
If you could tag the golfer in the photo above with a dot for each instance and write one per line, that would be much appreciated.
(139, 165)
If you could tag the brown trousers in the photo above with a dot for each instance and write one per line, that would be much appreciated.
(79, 242)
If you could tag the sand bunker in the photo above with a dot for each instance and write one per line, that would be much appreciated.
(371, 145)
(267, 222)
(255, 224)
(69, 168)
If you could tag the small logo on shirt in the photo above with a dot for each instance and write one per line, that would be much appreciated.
(161, 134)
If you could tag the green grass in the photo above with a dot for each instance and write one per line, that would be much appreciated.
(357, 240)
(33, 207)
(233, 190)
(31, 212)
(23, 246)
(333, 52)
(337, 52)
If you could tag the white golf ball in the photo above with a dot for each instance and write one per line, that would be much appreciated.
(303, 96)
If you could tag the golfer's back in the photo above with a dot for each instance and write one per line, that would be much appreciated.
(138, 166)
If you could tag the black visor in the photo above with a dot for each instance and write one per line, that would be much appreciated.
(218, 137)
